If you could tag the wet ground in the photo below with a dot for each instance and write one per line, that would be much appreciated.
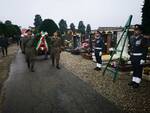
(48, 90)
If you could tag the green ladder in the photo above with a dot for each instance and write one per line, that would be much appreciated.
(125, 36)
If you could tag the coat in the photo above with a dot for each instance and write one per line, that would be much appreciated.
(3, 42)
(55, 45)
(30, 50)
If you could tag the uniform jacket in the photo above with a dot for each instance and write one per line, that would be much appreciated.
(29, 47)
(55, 44)
(99, 43)
(3, 42)
(138, 45)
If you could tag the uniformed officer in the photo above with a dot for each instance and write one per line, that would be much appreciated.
(30, 51)
(137, 55)
(99, 45)
(56, 49)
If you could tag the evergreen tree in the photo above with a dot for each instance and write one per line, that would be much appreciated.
(72, 27)
(88, 29)
(81, 27)
(8, 22)
(2, 28)
(63, 26)
(146, 17)
(37, 21)
(48, 25)
(9, 29)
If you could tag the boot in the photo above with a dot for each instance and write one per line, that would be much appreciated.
(135, 85)
(28, 64)
(131, 83)
(53, 62)
(97, 69)
(32, 68)
(57, 67)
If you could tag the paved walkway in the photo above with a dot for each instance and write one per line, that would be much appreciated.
(49, 90)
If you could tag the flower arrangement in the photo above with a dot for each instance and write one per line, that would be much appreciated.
(116, 63)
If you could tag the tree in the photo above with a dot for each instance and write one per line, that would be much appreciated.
(63, 26)
(81, 27)
(146, 17)
(72, 27)
(88, 29)
(12, 30)
(17, 30)
(49, 26)
(8, 22)
(2, 28)
(37, 21)
(9, 29)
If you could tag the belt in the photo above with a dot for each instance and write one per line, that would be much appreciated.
(136, 54)
(98, 48)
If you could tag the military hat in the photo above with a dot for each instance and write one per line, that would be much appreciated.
(28, 30)
(138, 27)
(98, 32)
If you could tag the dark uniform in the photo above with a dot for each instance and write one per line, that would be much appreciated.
(99, 45)
(137, 56)
(55, 50)
(30, 52)
(4, 45)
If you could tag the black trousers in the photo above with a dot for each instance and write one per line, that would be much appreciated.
(30, 62)
(98, 57)
(137, 68)
(4, 51)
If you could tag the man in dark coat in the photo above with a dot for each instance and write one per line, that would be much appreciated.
(4, 45)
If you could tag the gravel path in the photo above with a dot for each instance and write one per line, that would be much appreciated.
(131, 100)
(4, 67)
(5, 62)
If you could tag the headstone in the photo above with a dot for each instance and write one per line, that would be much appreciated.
(125, 51)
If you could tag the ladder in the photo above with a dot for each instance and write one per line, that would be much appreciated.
(125, 36)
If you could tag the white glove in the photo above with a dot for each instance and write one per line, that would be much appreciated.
(129, 62)
(100, 53)
(142, 62)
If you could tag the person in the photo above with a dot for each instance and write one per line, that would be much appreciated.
(137, 55)
(4, 45)
(47, 39)
(30, 51)
(18, 39)
(99, 45)
(56, 49)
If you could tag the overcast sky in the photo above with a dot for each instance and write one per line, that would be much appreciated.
(94, 12)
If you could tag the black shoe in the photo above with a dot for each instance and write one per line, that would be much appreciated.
(57, 67)
(131, 83)
(28, 66)
(32, 70)
(99, 69)
(96, 68)
(135, 85)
